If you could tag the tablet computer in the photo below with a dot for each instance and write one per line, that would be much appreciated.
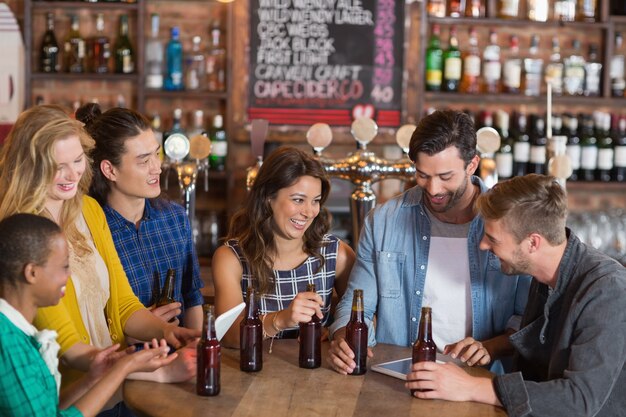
(400, 367)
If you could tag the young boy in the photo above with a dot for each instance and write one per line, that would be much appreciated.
(34, 269)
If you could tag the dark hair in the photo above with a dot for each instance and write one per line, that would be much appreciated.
(442, 129)
(25, 239)
(110, 130)
(252, 225)
(529, 204)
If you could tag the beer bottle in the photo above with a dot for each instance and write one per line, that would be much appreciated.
(209, 357)
(356, 334)
(424, 348)
(311, 340)
(251, 336)
(167, 293)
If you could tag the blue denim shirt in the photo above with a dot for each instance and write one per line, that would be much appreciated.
(392, 259)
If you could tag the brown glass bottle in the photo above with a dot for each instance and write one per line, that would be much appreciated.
(251, 336)
(424, 348)
(167, 292)
(356, 334)
(310, 356)
(209, 357)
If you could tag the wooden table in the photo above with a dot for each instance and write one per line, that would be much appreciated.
(284, 389)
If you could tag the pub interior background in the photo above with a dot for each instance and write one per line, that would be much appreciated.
(597, 207)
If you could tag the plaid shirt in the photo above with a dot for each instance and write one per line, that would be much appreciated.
(289, 283)
(27, 388)
(162, 241)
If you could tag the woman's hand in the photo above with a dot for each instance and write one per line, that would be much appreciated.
(300, 310)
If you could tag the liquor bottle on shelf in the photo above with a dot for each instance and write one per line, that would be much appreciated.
(570, 122)
(492, 67)
(124, 55)
(176, 124)
(209, 357)
(508, 9)
(195, 66)
(504, 156)
(154, 55)
(436, 8)
(216, 60)
(357, 332)
(49, 51)
(99, 48)
(74, 48)
(512, 69)
(424, 348)
(452, 64)
(538, 142)
(174, 62)
(456, 8)
(565, 10)
(586, 10)
(521, 146)
(219, 145)
(574, 71)
(197, 125)
(537, 10)
(593, 72)
(618, 83)
(554, 69)
(557, 125)
(475, 8)
(533, 69)
(470, 81)
(310, 353)
(158, 133)
(606, 153)
(434, 62)
(251, 336)
(588, 150)
(619, 163)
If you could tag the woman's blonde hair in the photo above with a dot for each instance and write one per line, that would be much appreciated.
(27, 168)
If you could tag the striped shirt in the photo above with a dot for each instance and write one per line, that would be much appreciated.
(162, 241)
(291, 282)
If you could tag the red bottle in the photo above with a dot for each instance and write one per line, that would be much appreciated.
(251, 336)
(209, 358)
(356, 334)
(310, 356)
(424, 348)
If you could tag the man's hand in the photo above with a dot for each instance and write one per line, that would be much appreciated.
(440, 381)
(184, 367)
(340, 356)
(167, 312)
(470, 351)
(180, 336)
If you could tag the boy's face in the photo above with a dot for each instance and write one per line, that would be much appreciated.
(53, 274)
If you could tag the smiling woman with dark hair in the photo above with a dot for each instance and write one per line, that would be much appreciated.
(278, 243)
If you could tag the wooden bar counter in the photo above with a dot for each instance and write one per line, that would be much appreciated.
(283, 389)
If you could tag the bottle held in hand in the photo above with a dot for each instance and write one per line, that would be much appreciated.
(251, 336)
(167, 293)
(356, 334)
(209, 357)
(424, 348)
(310, 356)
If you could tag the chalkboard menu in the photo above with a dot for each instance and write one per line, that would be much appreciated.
(326, 61)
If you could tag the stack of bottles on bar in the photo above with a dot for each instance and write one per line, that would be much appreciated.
(596, 143)
(169, 68)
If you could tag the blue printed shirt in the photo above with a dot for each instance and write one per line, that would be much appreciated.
(163, 240)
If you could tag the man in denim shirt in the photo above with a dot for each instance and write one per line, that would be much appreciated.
(421, 248)
(571, 349)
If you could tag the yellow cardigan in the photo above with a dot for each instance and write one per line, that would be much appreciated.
(65, 317)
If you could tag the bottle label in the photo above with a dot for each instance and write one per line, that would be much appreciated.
(592, 80)
(452, 69)
(472, 66)
(573, 151)
(433, 77)
(154, 80)
(504, 163)
(620, 156)
(509, 8)
(219, 148)
(574, 78)
(512, 73)
(605, 159)
(554, 72)
(617, 67)
(492, 71)
(538, 154)
(127, 64)
(521, 151)
(589, 157)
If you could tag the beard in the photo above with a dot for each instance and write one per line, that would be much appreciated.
(519, 264)
(453, 197)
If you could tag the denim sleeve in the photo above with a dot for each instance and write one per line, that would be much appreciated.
(362, 277)
(597, 355)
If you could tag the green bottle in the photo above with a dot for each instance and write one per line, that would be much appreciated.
(434, 63)
(124, 55)
(219, 145)
(452, 64)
